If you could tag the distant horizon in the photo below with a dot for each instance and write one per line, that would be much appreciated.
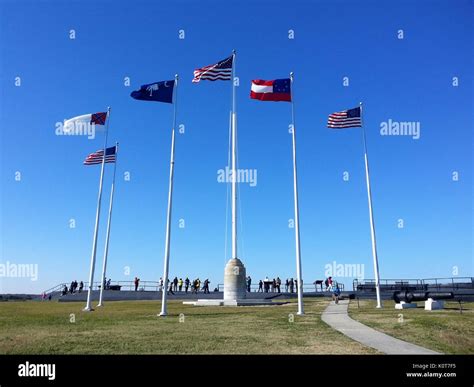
(409, 64)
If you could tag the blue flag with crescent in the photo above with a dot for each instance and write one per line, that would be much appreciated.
(157, 91)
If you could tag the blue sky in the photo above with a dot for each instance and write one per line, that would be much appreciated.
(409, 79)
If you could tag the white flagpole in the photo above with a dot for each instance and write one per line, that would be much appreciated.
(88, 307)
(372, 223)
(297, 211)
(109, 221)
(234, 162)
(164, 310)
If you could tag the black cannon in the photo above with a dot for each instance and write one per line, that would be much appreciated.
(421, 296)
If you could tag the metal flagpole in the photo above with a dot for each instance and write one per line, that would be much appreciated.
(372, 224)
(234, 167)
(297, 215)
(88, 307)
(109, 221)
(164, 311)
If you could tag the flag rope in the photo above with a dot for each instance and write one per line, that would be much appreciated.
(227, 195)
(241, 234)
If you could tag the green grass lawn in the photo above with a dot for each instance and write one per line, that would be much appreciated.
(132, 327)
(446, 331)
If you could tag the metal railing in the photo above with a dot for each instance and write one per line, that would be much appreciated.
(307, 288)
(154, 286)
(55, 289)
(451, 283)
(440, 284)
(128, 285)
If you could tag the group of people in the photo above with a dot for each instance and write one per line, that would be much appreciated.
(79, 287)
(267, 285)
(44, 296)
(73, 287)
(274, 286)
(176, 285)
(106, 283)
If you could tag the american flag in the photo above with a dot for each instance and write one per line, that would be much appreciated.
(345, 119)
(221, 70)
(96, 157)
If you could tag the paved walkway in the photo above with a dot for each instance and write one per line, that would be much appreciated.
(336, 316)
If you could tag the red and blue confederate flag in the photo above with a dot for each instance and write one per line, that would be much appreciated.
(277, 90)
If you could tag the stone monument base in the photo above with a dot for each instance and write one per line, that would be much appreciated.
(235, 280)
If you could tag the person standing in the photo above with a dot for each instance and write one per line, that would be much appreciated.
(260, 286)
(249, 284)
(175, 284)
(137, 282)
(81, 286)
(287, 285)
(278, 284)
(292, 284)
(180, 284)
(206, 286)
(170, 290)
(336, 292)
(329, 283)
(186, 284)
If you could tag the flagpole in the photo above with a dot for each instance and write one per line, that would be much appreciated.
(88, 307)
(234, 162)
(109, 221)
(297, 215)
(164, 311)
(371, 215)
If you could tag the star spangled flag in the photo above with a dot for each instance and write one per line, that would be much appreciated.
(276, 90)
(82, 122)
(158, 91)
(96, 157)
(346, 119)
(219, 71)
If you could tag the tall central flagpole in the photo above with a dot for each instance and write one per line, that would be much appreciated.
(297, 211)
(234, 162)
(164, 310)
(109, 221)
(88, 307)
(234, 273)
(372, 224)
